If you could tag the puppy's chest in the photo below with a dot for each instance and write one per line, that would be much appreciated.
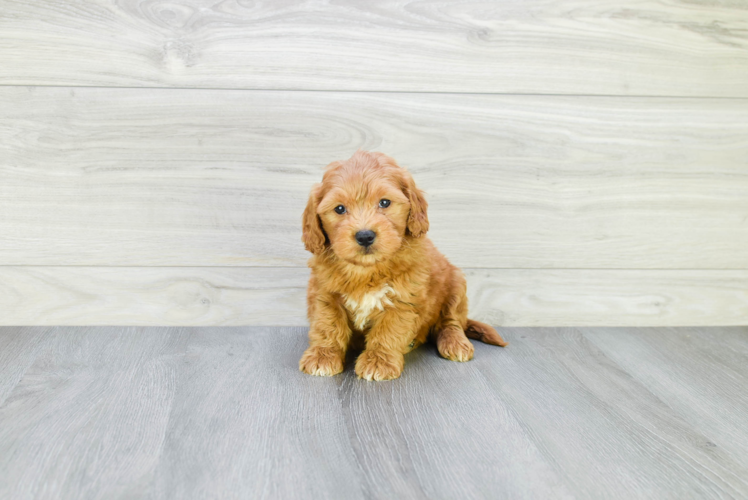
(362, 306)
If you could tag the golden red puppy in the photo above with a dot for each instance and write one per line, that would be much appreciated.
(377, 280)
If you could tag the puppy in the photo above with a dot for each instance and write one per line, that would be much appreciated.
(377, 280)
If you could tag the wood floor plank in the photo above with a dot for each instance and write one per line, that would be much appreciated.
(605, 431)
(247, 424)
(439, 432)
(699, 373)
(273, 296)
(215, 178)
(89, 416)
(19, 347)
(157, 413)
(695, 48)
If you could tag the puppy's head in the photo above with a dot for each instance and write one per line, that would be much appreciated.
(364, 210)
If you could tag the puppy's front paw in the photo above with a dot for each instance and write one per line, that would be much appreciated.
(455, 347)
(379, 365)
(322, 361)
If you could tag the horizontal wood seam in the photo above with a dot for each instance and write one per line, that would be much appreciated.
(353, 91)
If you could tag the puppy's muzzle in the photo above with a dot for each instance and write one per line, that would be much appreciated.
(365, 238)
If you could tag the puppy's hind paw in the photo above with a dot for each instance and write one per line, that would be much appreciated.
(322, 361)
(455, 347)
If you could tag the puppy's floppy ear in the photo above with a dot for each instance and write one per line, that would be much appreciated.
(418, 220)
(313, 235)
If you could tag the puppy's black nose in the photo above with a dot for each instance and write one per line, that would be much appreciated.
(365, 237)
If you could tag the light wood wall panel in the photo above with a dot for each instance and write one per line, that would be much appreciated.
(276, 296)
(203, 177)
(586, 161)
(646, 47)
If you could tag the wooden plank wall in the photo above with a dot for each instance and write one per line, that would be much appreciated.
(585, 162)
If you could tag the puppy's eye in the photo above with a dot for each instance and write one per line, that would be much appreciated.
(384, 203)
(340, 209)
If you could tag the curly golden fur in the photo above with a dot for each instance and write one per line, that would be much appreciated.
(390, 294)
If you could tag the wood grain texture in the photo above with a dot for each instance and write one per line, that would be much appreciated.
(273, 296)
(19, 347)
(683, 48)
(596, 419)
(152, 296)
(580, 297)
(698, 368)
(91, 411)
(202, 178)
(224, 413)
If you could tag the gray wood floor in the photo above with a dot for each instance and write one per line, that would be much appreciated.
(114, 412)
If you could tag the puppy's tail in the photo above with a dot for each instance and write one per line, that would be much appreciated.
(485, 333)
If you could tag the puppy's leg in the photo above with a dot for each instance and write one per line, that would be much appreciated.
(386, 342)
(329, 336)
(449, 332)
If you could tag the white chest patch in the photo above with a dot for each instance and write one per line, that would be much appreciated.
(367, 304)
